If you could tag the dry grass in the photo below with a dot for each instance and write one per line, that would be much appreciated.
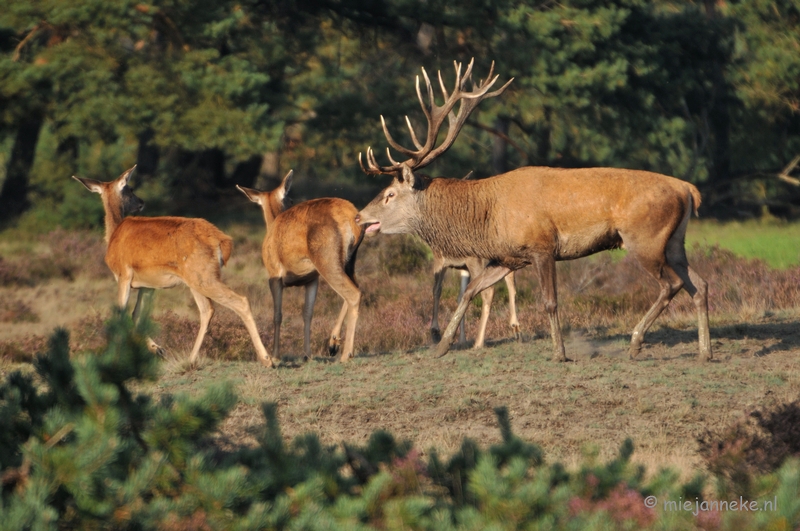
(663, 401)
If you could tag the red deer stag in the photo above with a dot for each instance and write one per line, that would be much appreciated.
(537, 215)
(467, 268)
(316, 238)
(162, 252)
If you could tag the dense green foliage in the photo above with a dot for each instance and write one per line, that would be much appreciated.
(81, 449)
(206, 96)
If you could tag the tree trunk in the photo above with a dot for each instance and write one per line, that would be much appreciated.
(14, 195)
(719, 114)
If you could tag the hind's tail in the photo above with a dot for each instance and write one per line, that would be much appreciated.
(225, 250)
(696, 198)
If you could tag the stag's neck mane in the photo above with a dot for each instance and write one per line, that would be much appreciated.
(455, 218)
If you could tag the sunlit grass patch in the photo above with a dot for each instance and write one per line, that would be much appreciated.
(775, 242)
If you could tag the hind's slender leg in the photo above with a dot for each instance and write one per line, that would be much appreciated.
(142, 308)
(276, 288)
(218, 292)
(308, 313)
(206, 313)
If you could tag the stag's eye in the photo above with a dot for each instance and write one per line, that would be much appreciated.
(390, 195)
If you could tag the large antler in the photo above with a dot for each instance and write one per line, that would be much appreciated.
(426, 153)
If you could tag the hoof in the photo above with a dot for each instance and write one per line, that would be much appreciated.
(634, 352)
(440, 350)
(436, 335)
(154, 348)
(516, 333)
(270, 363)
(344, 359)
(333, 346)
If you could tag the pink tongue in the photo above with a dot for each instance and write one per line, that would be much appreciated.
(374, 227)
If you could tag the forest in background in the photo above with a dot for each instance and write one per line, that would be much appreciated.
(205, 96)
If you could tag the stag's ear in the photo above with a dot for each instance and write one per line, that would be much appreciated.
(407, 176)
(252, 194)
(91, 184)
(122, 180)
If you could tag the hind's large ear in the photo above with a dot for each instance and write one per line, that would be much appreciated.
(251, 193)
(122, 180)
(287, 182)
(91, 184)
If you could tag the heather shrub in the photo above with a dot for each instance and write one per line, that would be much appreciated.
(16, 311)
(759, 442)
(61, 254)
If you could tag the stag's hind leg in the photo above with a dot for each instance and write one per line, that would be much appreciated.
(670, 285)
(696, 287)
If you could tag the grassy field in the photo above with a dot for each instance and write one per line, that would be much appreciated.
(775, 242)
(664, 400)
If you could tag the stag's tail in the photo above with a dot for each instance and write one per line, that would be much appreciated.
(696, 198)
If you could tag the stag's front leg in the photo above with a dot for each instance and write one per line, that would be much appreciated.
(462, 333)
(546, 269)
(513, 322)
(488, 277)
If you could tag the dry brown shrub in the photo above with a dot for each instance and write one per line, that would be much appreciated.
(757, 443)
(16, 311)
(67, 254)
(226, 339)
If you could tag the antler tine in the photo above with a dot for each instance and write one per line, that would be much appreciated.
(369, 170)
(389, 154)
(361, 163)
(398, 147)
(500, 90)
(413, 134)
(421, 101)
(481, 90)
(373, 164)
(468, 73)
(429, 88)
(491, 71)
(459, 79)
(435, 115)
(441, 85)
